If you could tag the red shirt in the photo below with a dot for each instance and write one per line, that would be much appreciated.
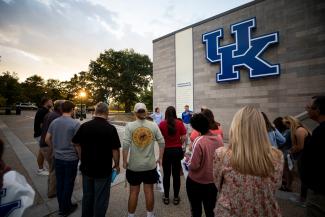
(195, 133)
(173, 141)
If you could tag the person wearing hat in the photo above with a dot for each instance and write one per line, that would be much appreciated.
(138, 143)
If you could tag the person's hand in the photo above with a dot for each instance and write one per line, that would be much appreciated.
(117, 168)
(159, 161)
(125, 165)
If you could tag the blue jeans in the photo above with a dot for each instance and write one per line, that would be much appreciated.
(95, 196)
(66, 172)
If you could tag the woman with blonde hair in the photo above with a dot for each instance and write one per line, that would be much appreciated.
(248, 172)
(299, 137)
(299, 133)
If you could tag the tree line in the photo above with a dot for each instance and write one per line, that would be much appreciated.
(121, 77)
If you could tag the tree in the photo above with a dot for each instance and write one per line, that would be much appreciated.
(121, 75)
(2, 101)
(146, 98)
(80, 81)
(34, 89)
(53, 88)
(10, 89)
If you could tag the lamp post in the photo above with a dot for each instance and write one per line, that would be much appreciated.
(82, 94)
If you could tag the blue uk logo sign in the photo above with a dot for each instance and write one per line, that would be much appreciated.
(245, 52)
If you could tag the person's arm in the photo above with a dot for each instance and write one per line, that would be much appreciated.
(37, 123)
(161, 154)
(182, 131)
(280, 139)
(126, 146)
(48, 141)
(116, 159)
(218, 167)
(161, 143)
(116, 149)
(183, 139)
(125, 158)
(78, 150)
(76, 140)
(196, 158)
(277, 175)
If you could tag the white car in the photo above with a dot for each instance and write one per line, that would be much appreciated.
(26, 106)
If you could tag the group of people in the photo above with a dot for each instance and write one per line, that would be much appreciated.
(238, 179)
(241, 178)
(64, 142)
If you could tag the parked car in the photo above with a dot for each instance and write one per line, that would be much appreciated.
(27, 106)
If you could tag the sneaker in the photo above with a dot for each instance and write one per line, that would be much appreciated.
(42, 172)
(150, 214)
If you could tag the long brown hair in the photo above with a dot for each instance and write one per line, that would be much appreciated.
(269, 126)
(170, 117)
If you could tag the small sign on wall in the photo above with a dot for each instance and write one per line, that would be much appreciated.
(185, 84)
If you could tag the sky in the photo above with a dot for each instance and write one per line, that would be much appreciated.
(58, 38)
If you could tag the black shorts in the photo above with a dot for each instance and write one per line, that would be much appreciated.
(147, 177)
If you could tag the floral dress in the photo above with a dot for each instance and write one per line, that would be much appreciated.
(245, 195)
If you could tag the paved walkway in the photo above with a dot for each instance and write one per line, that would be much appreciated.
(20, 154)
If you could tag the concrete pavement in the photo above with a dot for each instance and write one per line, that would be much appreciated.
(21, 150)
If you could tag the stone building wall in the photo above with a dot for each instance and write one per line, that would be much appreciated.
(300, 53)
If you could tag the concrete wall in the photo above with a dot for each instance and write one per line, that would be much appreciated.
(300, 53)
(164, 77)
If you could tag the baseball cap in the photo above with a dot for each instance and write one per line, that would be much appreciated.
(140, 106)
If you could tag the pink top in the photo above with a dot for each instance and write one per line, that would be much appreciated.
(245, 195)
(195, 133)
(201, 162)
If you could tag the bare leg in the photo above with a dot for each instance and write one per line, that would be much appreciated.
(40, 159)
(133, 198)
(148, 193)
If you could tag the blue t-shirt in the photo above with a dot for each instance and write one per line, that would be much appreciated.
(62, 130)
(186, 116)
(157, 117)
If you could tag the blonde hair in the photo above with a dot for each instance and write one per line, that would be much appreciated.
(294, 124)
(251, 150)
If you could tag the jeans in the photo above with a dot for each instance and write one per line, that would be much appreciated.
(172, 164)
(201, 193)
(95, 198)
(66, 172)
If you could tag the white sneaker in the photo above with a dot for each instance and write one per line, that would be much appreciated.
(42, 172)
(150, 214)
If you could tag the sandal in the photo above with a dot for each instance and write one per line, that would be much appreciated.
(166, 200)
(176, 200)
